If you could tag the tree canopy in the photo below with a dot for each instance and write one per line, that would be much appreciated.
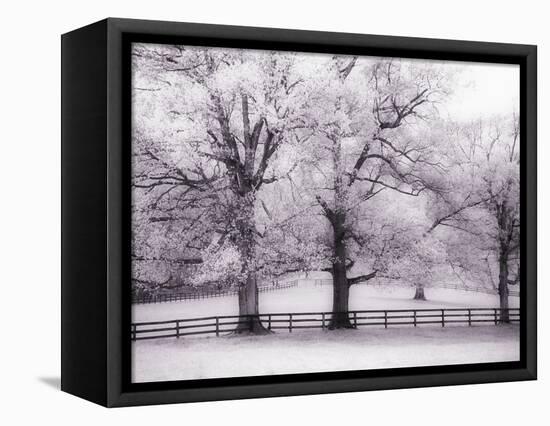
(250, 165)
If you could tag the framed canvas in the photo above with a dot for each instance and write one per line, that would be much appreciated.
(254, 212)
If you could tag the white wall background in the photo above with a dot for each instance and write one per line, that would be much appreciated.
(30, 211)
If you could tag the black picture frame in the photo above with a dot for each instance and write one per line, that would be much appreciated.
(96, 214)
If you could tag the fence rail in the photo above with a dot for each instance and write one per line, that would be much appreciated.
(478, 289)
(177, 297)
(218, 325)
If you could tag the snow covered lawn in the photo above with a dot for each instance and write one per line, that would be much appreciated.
(310, 298)
(318, 351)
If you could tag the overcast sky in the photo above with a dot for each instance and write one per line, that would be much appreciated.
(484, 89)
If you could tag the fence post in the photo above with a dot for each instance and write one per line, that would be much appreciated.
(355, 319)
(496, 320)
(290, 323)
(442, 317)
(323, 320)
(133, 332)
(414, 316)
(217, 326)
(385, 319)
(269, 322)
(177, 329)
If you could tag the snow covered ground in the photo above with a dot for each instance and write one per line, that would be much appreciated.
(307, 297)
(318, 351)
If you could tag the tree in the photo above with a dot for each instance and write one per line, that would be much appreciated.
(490, 149)
(229, 112)
(369, 121)
(252, 164)
(450, 208)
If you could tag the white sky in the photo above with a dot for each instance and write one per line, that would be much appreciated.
(482, 90)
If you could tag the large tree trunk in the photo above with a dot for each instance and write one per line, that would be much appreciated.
(340, 301)
(503, 288)
(419, 293)
(506, 223)
(246, 181)
(249, 321)
(337, 218)
(248, 308)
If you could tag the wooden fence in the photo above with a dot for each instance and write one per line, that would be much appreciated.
(478, 289)
(310, 320)
(176, 297)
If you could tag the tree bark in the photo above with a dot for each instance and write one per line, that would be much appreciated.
(249, 321)
(506, 227)
(419, 293)
(503, 288)
(337, 218)
(244, 186)
(248, 308)
(340, 300)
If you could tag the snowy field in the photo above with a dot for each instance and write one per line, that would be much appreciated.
(315, 350)
(318, 351)
(310, 298)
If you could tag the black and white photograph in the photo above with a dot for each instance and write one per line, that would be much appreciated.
(289, 213)
(309, 212)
